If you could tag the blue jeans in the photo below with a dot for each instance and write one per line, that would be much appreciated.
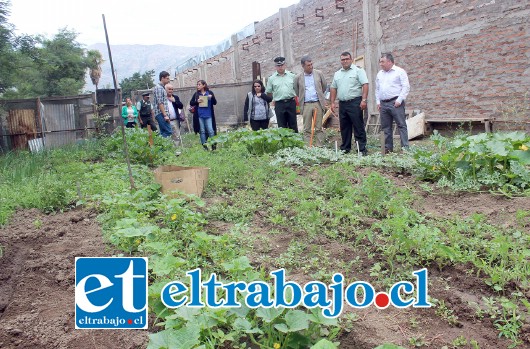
(206, 127)
(165, 126)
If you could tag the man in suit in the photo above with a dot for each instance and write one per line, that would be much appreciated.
(310, 86)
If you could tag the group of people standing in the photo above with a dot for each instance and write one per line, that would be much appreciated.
(165, 110)
(349, 86)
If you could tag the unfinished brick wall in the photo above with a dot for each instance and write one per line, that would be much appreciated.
(264, 52)
(324, 39)
(464, 58)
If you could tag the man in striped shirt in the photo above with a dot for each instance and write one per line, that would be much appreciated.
(161, 106)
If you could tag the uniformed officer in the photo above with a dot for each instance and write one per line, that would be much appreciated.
(145, 108)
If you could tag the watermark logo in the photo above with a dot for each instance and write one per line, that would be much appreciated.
(288, 294)
(110, 293)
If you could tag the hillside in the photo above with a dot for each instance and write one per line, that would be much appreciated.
(129, 59)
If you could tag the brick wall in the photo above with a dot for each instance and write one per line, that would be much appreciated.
(464, 58)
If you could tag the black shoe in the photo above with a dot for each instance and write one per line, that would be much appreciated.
(365, 152)
(214, 146)
(205, 147)
(388, 151)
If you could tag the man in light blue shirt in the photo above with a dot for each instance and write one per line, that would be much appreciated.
(391, 89)
(350, 86)
(280, 86)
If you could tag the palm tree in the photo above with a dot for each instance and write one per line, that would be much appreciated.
(94, 61)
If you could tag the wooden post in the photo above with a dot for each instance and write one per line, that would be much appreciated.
(150, 132)
(313, 122)
(116, 100)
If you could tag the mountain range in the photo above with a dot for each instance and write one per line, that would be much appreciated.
(129, 59)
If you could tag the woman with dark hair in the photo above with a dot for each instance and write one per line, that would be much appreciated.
(257, 109)
(203, 116)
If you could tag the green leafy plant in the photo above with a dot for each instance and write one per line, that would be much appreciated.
(140, 151)
(499, 161)
(37, 224)
(100, 123)
(459, 341)
(444, 312)
(260, 142)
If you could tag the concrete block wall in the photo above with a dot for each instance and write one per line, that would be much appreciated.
(465, 58)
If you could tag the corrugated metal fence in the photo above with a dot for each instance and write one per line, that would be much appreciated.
(48, 122)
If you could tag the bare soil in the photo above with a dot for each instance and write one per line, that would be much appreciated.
(37, 280)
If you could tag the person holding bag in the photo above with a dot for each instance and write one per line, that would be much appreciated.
(257, 109)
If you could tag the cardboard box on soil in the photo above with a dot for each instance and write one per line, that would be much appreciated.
(190, 180)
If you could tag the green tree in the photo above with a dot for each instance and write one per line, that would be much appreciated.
(64, 64)
(137, 81)
(52, 67)
(7, 53)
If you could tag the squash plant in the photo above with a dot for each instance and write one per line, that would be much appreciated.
(260, 142)
(499, 161)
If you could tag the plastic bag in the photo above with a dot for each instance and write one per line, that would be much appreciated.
(182, 116)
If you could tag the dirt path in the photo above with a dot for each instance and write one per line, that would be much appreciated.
(37, 282)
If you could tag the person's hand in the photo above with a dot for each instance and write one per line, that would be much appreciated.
(363, 105)
(397, 104)
(379, 107)
(332, 106)
(199, 100)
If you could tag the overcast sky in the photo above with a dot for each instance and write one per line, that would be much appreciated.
(170, 22)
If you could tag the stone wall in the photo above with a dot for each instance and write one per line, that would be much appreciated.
(464, 58)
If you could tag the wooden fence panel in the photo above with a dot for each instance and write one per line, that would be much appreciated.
(21, 127)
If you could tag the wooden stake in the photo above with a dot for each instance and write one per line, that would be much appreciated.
(314, 121)
(116, 101)
(150, 132)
